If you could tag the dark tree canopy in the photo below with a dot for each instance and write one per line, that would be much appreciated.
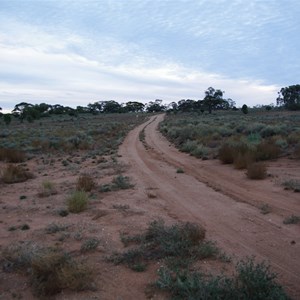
(214, 100)
(289, 97)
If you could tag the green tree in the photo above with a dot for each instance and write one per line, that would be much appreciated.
(245, 109)
(214, 99)
(133, 106)
(155, 106)
(7, 119)
(289, 97)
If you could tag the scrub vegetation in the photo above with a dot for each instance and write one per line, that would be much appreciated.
(234, 138)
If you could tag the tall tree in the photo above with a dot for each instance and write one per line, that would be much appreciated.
(289, 97)
(213, 99)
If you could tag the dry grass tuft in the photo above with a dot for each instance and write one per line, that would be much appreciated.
(85, 183)
(14, 174)
(256, 170)
(47, 189)
(77, 202)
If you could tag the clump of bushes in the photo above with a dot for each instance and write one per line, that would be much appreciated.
(89, 245)
(291, 220)
(77, 202)
(251, 281)
(85, 183)
(14, 174)
(292, 184)
(50, 269)
(183, 241)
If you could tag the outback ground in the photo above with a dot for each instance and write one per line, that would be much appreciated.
(222, 200)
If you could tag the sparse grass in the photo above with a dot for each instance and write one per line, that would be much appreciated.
(47, 189)
(291, 220)
(89, 245)
(292, 184)
(51, 270)
(14, 174)
(85, 183)
(256, 170)
(77, 202)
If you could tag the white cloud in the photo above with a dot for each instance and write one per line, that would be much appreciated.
(74, 80)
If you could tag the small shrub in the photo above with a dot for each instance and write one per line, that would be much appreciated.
(226, 154)
(256, 170)
(51, 270)
(14, 174)
(242, 160)
(63, 212)
(291, 220)
(85, 183)
(77, 202)
(122, 182)
(265, 209)
(179, 171)
(89, 245)
(293, 185)
(25, 227)
(54, 227)
(267, 150)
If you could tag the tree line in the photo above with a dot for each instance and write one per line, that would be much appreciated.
(288, 97)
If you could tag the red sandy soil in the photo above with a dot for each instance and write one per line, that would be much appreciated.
(216, 196)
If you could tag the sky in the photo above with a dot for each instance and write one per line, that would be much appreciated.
(83, 51)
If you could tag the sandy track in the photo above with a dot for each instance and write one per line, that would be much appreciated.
(221, 199)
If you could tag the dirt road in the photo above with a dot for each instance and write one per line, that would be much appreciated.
(220, 198)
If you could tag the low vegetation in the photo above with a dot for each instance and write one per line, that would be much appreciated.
(292, 184)
(13, 174)
(77, 202)
(257, 170)
(85, 183)
(185, 242)
(51, 270)
(47, 189)
(119, 182)
(234, 138)
(251, 281)
(291, 220)
(178, 247)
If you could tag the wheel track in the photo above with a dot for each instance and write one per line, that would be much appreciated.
(237, 227)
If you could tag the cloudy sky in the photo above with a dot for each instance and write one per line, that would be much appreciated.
(81, 51)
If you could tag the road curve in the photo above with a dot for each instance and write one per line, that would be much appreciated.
(220, 199)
